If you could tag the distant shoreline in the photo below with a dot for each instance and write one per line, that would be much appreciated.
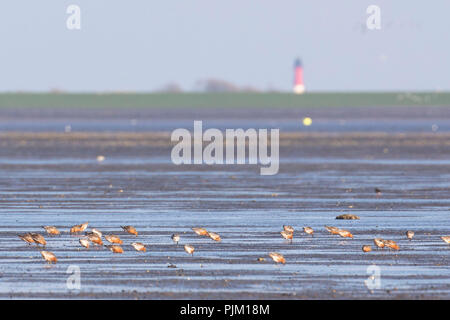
(224, 100)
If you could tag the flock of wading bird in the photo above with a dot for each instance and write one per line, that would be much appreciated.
(95, 237)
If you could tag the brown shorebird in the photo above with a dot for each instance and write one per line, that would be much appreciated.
(97, 232)
(38, 238)
(287, 235)
(175, 238)
(379, 242)
(49, 256)
(278, 258)
(345, 233)
(410, 234)
(189, 249)
(446, 239)
(27, 238)
(308, 230)
(79, 228)
(214, 236)
(139, 246)
(332, 230)
(200, 231)
(84, 243)
(51, 230)
(113, 239)
(391, 244)
(366, 248)
(95, 238)
(288, 229)
(378, 192)
(115, 248)
(130, 230)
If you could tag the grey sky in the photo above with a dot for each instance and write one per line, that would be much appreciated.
(142, 45)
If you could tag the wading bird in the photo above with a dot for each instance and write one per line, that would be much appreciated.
(27, 238)
(278, 258)
(287, 235)
(200, 231)
(175, 238)
(391, 244)
(84, 243)
(51, 230)
(410, 234)
(308, 230)
(49, 256)
(97, 232)
(446, 239)
(214, 236)
(115, 248)
(189, 249)
(38, 238)
(378, 192)
(79, 228)
(139, 246)
(379, 242)
(345, 233)
(95, 239)
(366, 248)
(332, 230)
(130, 230)
(113, 239)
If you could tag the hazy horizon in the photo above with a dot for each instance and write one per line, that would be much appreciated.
(141, 47)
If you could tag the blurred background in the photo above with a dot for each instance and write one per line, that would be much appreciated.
(200, 45)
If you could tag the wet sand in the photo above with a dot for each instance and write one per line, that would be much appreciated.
(53, 178)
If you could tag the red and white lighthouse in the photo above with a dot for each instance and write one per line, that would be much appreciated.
(299, 86)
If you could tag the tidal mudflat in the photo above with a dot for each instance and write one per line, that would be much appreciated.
(48, 177)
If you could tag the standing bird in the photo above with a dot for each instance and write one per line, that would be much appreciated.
(79, 228)
(84, 243)
(97, 232)
(113, 239)
(175, 238)
(139, 246)
(366, 248)
(410, 234)
(288, 229)
(332, 230)
(308, 230)
(379, 242)
(200, 231)
(214, 236)
(49, 256)
(391, 244)
(378, 192)
(278, 258)
(38, 238)
(345, 233)
(130, 230)
(189, 249)
(446, 239)
(94, 238)
(287, 235)
(51, 230)
(115, 248)
(27, 238)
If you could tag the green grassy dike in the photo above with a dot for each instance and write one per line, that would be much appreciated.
(211, 100)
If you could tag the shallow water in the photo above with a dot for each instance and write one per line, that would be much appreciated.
(57, 181)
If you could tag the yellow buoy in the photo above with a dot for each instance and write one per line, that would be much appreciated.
(307, 121)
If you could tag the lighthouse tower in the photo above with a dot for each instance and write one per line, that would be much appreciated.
(299, 87)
